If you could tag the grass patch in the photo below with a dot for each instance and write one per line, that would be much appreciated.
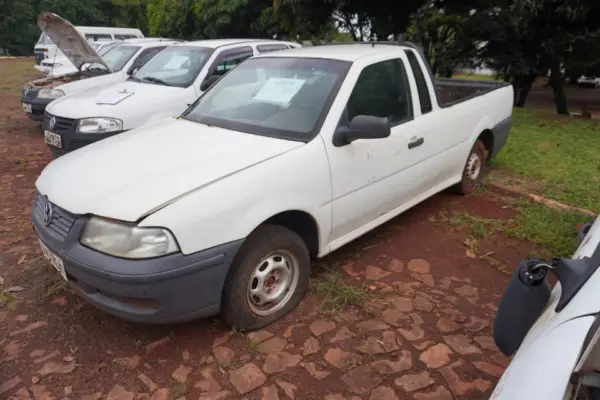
(559, 153)
(551, 231)
(337, 294)
(474, 77)
(477, 226)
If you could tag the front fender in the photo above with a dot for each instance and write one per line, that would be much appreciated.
(232, 207)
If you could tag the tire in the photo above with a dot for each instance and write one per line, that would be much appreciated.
(473, 170)
(269, 247)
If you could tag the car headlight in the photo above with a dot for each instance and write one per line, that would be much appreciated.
(99, 125)
(50, 93)
(125, 240)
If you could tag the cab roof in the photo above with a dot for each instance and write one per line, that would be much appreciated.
(343, 52)
(214, 43)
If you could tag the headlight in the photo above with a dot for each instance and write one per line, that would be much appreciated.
(99, 125)
(123, 240)
(50, 93)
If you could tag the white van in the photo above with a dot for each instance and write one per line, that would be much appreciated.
(164, 87)
(45, 48)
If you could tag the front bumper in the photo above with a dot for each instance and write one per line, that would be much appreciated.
(170, 289)
(38, 107)
(70, 138)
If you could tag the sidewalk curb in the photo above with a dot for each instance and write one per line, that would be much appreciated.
(539, 199)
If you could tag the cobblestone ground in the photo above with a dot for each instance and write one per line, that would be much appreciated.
(425, 333)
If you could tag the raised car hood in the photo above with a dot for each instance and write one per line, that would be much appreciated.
(130, 175)
(68, 40)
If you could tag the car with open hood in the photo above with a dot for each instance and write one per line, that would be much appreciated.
(287, 157)
(60, 65)
(164, 87)
(117, 62)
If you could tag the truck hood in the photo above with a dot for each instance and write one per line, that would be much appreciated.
(119, 100)
(72, 44)
(130, 175)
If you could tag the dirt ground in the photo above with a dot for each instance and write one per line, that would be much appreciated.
(425, 333)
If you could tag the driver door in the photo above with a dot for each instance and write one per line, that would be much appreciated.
(368, 176)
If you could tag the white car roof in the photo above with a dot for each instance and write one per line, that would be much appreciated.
(147, 40)
(214, 43)
(344, 52)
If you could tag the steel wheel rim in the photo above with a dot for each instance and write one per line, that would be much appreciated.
(272, 283)
(473, 167)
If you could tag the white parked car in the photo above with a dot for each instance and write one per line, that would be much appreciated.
(554, 331)
(46, 47)
(164, 87)
(588, 81)
(289, 156)
(112, 64)
(61, 65)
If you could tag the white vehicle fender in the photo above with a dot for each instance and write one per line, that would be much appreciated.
(232, 207)
(484, 124)
(543, 369)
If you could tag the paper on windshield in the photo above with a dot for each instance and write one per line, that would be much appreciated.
(279, 90)
(176, 62)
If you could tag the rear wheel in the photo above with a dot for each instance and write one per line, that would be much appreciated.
(268, 277)
(473, 170)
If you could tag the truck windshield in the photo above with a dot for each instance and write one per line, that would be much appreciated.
(281, 97)
(174, 66)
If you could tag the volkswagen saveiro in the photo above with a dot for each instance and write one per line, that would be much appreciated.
(289, 156)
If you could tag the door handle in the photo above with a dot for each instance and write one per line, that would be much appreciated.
(415, 142)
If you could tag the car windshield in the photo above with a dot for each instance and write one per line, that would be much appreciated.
(174, 66)
(116, 57)
(287, 98)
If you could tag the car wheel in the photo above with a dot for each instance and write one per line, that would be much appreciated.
(473, 171)
(267, 279)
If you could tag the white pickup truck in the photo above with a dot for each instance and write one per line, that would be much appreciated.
(289, 156)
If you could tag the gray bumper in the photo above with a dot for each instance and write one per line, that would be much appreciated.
(169, 289)
(500, 131)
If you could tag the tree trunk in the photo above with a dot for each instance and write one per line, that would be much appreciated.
(558, 87)
(523, 87)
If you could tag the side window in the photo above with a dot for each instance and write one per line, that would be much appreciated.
(424, 97)
(267, 48)
(382, 90)
(98, 37)
(146, 55)
(123, 37)
(230, 59)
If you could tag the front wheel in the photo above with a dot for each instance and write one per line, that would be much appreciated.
(267, 279)
(473, 171)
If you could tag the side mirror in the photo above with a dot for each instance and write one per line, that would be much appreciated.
(208, 82)
(362, 127)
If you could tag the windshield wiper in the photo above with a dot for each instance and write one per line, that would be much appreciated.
(135, 79)
(155, 80)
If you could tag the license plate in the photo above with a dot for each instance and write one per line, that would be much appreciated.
(53, 139)
(27, 108)
(54, 260)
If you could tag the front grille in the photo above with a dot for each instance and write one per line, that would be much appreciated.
(61, 221)
(29, 93)
(61, 124)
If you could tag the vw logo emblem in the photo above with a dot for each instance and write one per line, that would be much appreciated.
(52, 123)
(47, 212)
